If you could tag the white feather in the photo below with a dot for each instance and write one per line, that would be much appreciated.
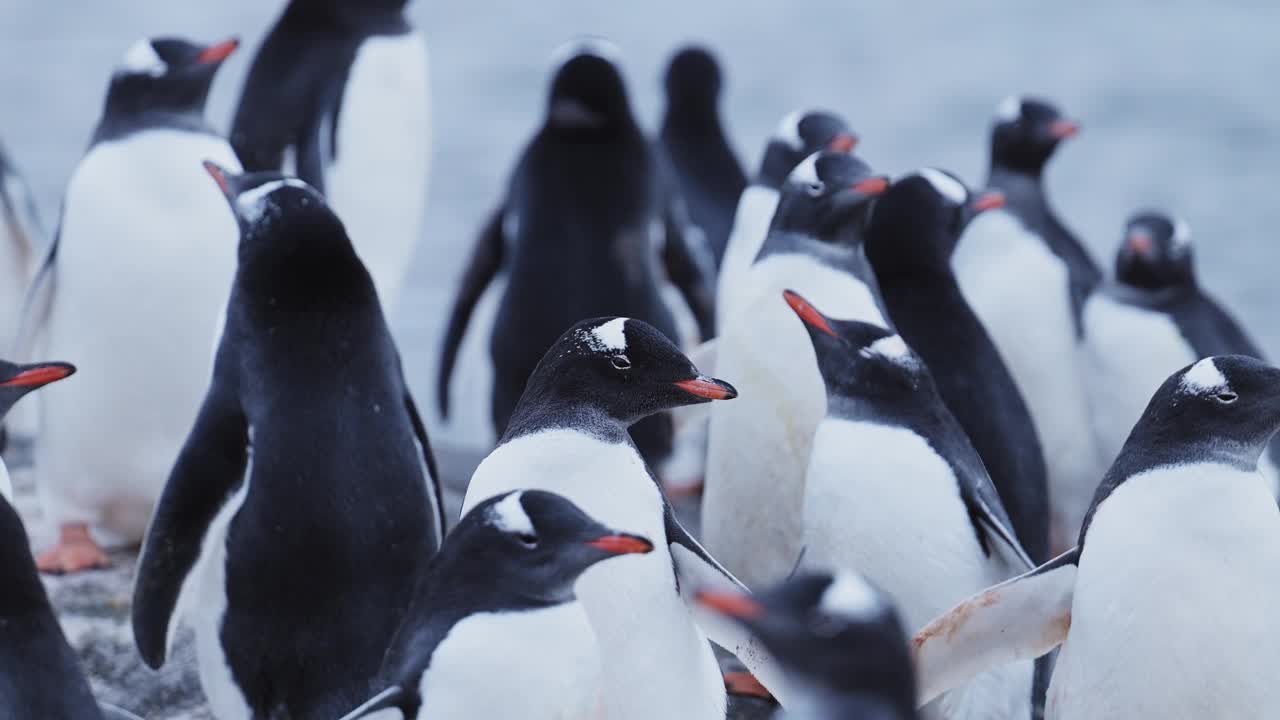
(751, 223)
(850, 596)
(141, 58)
(255, 203)
(1009, 109)
(806, 171)
(1203, 377)
(508, 515)
(608, 337)
(945, 185)
(892, 348)
(788, 130)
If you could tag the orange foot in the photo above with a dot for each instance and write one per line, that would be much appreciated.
(746, 684)
(75, 552)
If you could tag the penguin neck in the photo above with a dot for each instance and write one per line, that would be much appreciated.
(320, 276)
(544, 408)
(843, 405)
(126, 110)
(24, 596)
(1022, 187)
(1154, 297)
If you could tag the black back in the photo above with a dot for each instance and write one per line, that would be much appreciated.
(909, 240)
(292, 97)
(1023, 139)
(709, 176)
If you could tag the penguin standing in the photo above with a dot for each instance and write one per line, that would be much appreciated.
(568, 436)
(708, 175)
(306, 495)
(800, 134)
(580, 233)
(910, 238)
(1166, 607)
(895, 489)
(838, 638)
(1154, 319)
(21, 238)
(507, 571)
(139, 269)
(1027, 276)
(338, 94)
(759, 445)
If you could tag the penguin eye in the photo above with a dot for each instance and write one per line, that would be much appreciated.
(815, 188)
(620, 362)
(527, 540)
(1226, 397)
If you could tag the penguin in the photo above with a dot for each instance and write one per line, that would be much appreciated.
(306, 495)
(1153, 319)
(838, 638)
(21, 239)
(895, 489)
(799, 134)
(707, 173)
(910, 237)
(580, 232)
(1165, 606)
(1027, 276)
(40, 676)
(138, 269)
(338, 94)
(568, 436)
(758, 447)
(513, 560)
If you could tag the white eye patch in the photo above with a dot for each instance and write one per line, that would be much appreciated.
(508, 515)
(141, 58)
(608, 337)
(849, 596)
(806, 172)
(789, 129)
(253, 203)
(1181, 233)
(1009, 109)
(1203, 376)
(945, 185)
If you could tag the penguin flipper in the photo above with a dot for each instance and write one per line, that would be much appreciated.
(437, 482)
(1019, 619)
(486, 258)
(209, 469)
(111, 712)
(690, 263)
(393, 698)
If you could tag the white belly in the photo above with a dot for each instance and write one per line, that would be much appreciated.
(751, 223)
(642, 626)
(378, 181)
(879, 500)
(759, 443)
(144, 269)
(1020, 290)
(510, 665)
(1174, 608)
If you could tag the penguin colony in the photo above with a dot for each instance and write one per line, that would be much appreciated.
(949, 468)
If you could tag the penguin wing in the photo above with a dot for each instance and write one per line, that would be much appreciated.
(209, 469)
(393, 698)
(424, 446)
(111, 712)
(982, 500)
(486, 258)
(1020, 619)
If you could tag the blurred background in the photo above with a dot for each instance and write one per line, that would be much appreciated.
(1177, 100)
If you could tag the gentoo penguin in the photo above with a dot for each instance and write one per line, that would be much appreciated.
(568, 436)
(759, 445)
(580, 232)
(40, 676)
(1026, 276)
(800, 134)
(338, 95)
(839, 640)
(1153, 319)
(21, 238)
(910, 238)
(1166, 607)
(139, 269)
(895, 489)
(306, 495)
(707, 173)
(512, 561)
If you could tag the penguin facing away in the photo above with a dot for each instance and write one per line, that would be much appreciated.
(586, 202)
(462, 651)
(306, 494)
(1153, 319)
(138, 214)
(709, 176)
(759, 446)
(1027, 276)
(895, 489)
(338, 95)
(839, 639)
(1165, 607)
(910, 238)
(568, 436)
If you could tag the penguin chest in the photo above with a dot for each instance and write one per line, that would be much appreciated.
(1173, 611)
(1129, 351)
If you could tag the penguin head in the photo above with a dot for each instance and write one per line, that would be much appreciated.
(18, 380)
(167, 74)
(623, 367)
(800, 134)
(858, 359)
(835, 634)
(922, 216)
(1026, 132)
(826, 192)
(537, 543)
(693, 79)
(1155, 252)
(264, 202)
(587, 93)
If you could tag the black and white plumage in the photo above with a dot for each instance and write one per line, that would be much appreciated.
(910, 238)
(306, 495)
(1165, 607)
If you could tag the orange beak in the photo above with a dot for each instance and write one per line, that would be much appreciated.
(1140, 242)
(35, 377)
(730, 604)
(844, 142)
(218, 174)
(872, 186)
(807, 312)
(709, 388)
(218, 52)
(989, 200)
(622, 544)
(1063, 129)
